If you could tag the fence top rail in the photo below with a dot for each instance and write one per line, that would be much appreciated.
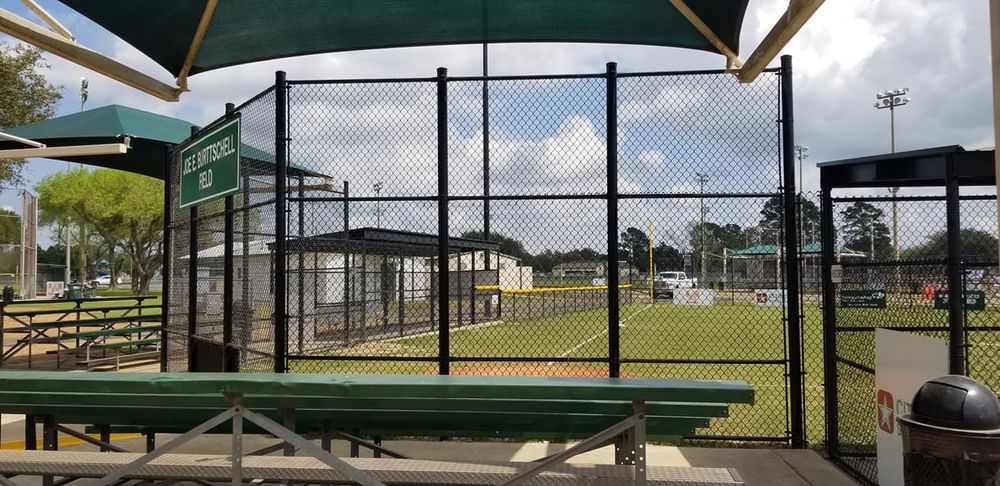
(137, 298)
(378, 386)
(518, 77)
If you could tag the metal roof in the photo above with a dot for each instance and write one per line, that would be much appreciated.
(914, 168)
(381, 241)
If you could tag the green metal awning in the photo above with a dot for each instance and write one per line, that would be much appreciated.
(771, 251)
(150, 134)
(253, 30)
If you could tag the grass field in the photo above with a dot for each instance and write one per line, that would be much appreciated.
(725, 331)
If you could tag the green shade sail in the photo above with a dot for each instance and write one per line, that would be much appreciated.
(151, 135)
(243, 31)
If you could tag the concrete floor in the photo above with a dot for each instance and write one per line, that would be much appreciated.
(758, 467)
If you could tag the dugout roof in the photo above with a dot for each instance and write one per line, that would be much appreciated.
(914, 168)
(380, 241)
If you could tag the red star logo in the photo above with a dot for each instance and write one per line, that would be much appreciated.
(886, 412)
(761, 298)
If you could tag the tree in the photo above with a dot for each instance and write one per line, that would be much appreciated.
(121, 207)
(25, 95)
(717, 239)
(633, 246)
(774, 209)
(507, 244)
(861, 222)
(977, 245)
(666, 257)
(10, 227)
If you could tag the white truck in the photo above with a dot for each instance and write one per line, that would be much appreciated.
(664, 283)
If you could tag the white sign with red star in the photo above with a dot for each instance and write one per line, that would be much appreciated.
(903, 362)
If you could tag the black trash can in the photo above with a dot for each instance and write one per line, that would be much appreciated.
(8, 293)
(952, 435)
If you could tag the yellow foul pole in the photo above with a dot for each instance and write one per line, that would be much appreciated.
(650, 242)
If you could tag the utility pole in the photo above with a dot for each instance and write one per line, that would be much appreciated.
(891, 99)
(702, 179)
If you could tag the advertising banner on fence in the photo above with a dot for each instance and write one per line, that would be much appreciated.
(769, 298)
(903, 362)
(53, 289)
(694, 297)
(871, 299)
(974, 299)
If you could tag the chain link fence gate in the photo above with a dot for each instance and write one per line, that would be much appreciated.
(510, 225)
(910, 280)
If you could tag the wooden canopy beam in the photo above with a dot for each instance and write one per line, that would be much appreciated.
(35, 35)
(67, 151)
(199, 35)
(798, 12)
(733, 60)
(49, 19)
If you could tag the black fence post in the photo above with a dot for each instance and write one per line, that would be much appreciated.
(829, 320)
(614, 355)
(442, 201)
(956, 289)
(347, 267)
(794, 316)
(167, 252)
(228, 269)
(280, 229)
(192, 284)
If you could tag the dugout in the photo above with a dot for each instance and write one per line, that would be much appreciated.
(886, 287)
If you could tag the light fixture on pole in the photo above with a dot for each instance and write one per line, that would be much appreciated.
(891, 99)
(801, 152)
(378, 204)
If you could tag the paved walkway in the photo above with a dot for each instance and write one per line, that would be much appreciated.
(759, 467)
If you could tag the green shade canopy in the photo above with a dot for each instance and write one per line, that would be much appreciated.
(242, 31)
(151, 135)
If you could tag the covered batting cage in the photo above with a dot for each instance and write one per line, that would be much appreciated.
(458, 202)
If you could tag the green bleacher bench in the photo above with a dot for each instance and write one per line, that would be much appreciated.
(110, 332)
(38, 333)
(598, 411)
(82, 310)
(118, 347)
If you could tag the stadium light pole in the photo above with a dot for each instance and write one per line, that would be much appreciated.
(891, 99)
(702, 179)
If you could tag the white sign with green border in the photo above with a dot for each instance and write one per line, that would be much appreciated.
(210, 166)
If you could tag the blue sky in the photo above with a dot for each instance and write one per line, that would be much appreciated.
(849, 51)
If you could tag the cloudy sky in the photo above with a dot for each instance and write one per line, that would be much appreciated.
(850, 50)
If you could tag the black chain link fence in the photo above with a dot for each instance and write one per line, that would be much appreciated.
(484, 204)
(895, 276)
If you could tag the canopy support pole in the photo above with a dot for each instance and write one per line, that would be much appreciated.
(798, 12)
(733, 60)
(995, 49)
(69, 151)
(29, 32)
(49, 19)
(25, 141)
(199, 35)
